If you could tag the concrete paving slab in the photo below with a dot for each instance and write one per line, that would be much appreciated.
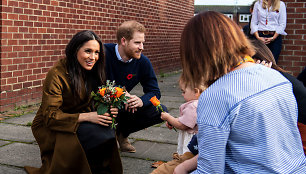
(172, 105)
(20, 154)
(2, 143)
(136, 166)
(16, 133)
(152, 151)
(24, 119)
(156, 134)
(175, 98)
(175, 112)
(11, 170)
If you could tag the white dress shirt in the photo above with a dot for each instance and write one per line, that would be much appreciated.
(268, 20)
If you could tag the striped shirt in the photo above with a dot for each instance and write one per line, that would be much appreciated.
(247, 123)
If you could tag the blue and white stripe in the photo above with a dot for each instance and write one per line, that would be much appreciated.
(247, 123)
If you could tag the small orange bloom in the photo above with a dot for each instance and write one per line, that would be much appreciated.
(119, 91)
(102, 91)
(155, 101)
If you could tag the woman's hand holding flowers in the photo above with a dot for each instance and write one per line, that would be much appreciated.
(93, 117)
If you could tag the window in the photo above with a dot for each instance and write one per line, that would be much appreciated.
(244, 18)
(229, 15)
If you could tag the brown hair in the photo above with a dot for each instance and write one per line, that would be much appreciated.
(264, 53)
(252, 5)
(211, 45)
(128, 28)
(274, 3)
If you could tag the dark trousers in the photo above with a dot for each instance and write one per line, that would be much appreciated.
(105, 159)
(275, 46)
(132, 122)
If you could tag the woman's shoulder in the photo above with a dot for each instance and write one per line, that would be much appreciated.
(282, 4)
(58, 70)
(257, 3)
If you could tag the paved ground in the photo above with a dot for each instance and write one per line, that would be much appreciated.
(18, 147)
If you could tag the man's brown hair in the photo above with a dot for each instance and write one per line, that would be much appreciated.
(128, 28)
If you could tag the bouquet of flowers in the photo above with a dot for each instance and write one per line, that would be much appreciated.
(158, 106)
(109, 95)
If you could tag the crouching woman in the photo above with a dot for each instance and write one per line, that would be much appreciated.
(66, 127)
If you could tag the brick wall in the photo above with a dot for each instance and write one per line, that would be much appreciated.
(34, 34)
(293, 55)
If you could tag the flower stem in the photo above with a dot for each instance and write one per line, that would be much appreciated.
(113, 124)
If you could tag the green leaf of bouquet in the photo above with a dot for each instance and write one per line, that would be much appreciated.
(102, 108)
(96, 98)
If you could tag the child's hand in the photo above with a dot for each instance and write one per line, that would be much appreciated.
(165, 116)
(169, 125)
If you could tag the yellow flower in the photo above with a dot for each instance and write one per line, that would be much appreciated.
(119, 92)
(102, 91)
(155, 101)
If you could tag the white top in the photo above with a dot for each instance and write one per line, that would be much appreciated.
(188, 117)
(268, 20)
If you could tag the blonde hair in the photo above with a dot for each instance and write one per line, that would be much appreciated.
(274, 3)
(184, 84)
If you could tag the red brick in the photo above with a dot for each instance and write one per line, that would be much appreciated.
(23, 29)
(12, 68)
(6, 74)
(27, 84)
(300, 10)
(6, 48)
(17, 48)
(3, 16)
(12, 80)
(23, 4)
(12, 16)
(12, 29)
(22, 79)
(23, 54)
(18, 10)
(54, 3)
(28, 11)
(18, 23)
(17, 73)
(294, 5)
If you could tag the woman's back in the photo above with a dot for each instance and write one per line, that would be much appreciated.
(256, 117)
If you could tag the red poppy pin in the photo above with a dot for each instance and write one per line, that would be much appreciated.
(130, 76)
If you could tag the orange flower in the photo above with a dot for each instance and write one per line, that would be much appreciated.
(102, 91)
(155, 101)
(119, 91)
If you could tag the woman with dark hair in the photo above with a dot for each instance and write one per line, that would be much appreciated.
(264, 54)
(247, 116)
(66, 113)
